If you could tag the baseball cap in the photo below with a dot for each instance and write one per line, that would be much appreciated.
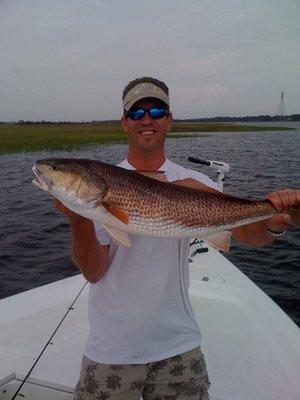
(144, 90)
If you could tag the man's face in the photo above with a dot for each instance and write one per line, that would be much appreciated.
(147, 134)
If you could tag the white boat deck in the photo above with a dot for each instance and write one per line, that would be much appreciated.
(251, 346)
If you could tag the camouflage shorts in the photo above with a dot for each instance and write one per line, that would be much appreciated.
(180, 377)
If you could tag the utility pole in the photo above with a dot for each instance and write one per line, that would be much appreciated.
(281, 108)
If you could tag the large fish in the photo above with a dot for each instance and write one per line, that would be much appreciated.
(143, 203)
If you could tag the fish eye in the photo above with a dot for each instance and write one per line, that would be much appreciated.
(54, 167)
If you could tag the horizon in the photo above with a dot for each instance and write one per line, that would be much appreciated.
(275, 118)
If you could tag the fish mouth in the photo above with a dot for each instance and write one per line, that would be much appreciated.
(41, 180)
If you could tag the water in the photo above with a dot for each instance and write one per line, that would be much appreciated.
(35, 238)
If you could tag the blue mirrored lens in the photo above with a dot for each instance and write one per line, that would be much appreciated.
(136, 114)
(154, 113)
(157, 112)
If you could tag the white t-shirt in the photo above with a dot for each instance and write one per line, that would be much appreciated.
(140, 311)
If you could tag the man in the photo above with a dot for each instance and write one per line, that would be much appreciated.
(144, 339)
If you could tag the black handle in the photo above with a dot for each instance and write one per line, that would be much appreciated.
(198, 161)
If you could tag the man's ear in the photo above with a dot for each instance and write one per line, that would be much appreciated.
(124, 123)
(170, 121)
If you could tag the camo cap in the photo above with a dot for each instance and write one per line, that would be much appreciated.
(144, 90)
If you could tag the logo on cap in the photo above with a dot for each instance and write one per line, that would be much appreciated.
(145, 88)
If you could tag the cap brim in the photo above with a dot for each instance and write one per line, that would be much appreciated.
(134, 101)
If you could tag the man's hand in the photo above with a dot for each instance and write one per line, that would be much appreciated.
(90, 257)
(262, 233)
(282, 200)
(70, 214)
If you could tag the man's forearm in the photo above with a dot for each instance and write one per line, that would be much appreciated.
(88, 254)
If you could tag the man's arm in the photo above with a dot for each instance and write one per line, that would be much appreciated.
(260, 233)
(87, 253)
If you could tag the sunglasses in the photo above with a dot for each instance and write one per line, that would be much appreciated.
(154, 112)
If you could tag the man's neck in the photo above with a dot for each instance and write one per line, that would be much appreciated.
(147, 163)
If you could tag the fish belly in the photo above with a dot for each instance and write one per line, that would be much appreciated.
(171, 229)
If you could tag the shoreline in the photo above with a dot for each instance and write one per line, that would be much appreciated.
(17, 138)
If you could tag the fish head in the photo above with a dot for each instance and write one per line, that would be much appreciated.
(72, 181)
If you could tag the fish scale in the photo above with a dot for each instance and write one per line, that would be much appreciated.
(170, 203)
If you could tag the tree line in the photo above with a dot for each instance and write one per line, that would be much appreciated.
(249, 118)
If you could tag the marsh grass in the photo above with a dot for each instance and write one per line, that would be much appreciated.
(16, 138)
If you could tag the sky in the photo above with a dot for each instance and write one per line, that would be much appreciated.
(69, 60)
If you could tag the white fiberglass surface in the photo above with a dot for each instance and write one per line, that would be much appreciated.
(28, 320)
(246, 358)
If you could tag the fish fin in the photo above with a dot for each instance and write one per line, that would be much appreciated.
(294, 213)
(120, 237)
(220, 240)
(158, 175)
(194, 184)
(117, 212)
(201, 187)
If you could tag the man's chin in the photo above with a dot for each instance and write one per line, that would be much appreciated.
(147, 139)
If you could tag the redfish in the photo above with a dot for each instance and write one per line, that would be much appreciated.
(143, 203)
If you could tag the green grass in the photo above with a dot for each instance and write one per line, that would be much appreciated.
(17, 138)
(23, 138)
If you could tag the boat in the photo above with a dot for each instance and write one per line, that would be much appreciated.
(252, 348)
